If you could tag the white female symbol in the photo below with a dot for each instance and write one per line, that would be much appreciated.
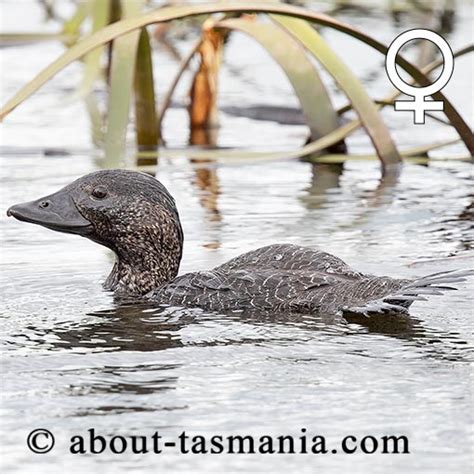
(419, 105)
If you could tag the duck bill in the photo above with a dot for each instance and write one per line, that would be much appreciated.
(56, 212)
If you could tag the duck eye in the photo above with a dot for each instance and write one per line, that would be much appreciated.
(100, 192)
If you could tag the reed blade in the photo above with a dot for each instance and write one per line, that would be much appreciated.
(146, 120)
(174, 12)
(122, 70)
(300, 71)
(348, 82)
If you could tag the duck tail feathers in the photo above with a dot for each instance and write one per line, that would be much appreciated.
(416, 290)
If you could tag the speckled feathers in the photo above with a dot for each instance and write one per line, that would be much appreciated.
(134, 215)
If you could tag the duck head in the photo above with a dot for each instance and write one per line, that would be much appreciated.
(129, 212)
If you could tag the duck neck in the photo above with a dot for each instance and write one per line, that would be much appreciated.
(145, 265)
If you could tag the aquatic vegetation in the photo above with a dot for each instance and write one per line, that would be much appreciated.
(280, 28)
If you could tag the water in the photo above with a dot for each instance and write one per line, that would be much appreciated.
(72, 360)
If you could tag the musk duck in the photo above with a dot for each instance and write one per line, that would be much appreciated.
(135, 216)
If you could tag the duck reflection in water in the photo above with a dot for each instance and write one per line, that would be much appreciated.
(148, 328)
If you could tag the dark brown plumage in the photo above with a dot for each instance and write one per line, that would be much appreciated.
(134, 215)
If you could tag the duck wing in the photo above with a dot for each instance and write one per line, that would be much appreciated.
(279, 277)
(290, 257)
(267, 290)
